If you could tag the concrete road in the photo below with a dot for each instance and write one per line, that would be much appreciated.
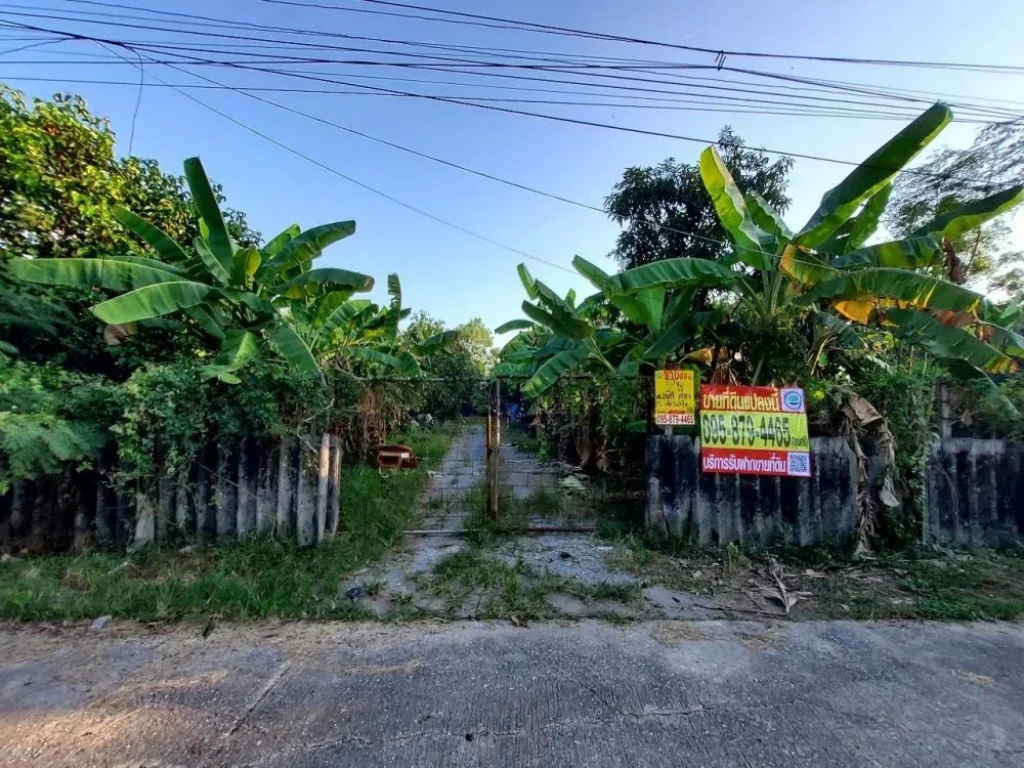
(588, 694)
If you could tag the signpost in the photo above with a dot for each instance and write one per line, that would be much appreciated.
(675, 398)
(754, 431)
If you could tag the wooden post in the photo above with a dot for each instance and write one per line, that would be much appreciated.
(334, 488)
(493, 440)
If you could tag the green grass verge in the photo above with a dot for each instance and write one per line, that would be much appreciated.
(254, 579)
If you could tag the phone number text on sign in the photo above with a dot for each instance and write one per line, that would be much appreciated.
(675, 398)
(754, 430)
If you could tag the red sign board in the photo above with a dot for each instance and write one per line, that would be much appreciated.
(754, 431)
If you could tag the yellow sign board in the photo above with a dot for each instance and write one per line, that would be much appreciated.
(675, 398)
(754, 431)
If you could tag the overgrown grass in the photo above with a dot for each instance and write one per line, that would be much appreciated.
(255, 579)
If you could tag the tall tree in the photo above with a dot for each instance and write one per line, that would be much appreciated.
(649, 203)
(982, 255)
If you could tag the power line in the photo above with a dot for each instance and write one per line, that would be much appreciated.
(578, 69)
(493, 107)
(476, 172)
(361, 184)
(721, 53)
(673, 105)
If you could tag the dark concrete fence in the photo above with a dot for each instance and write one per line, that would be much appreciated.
(288, 487)
(753, 511)
(974, 493)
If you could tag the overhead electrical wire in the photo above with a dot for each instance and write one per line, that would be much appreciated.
(718, 52)
(490, 107)
(225, 23)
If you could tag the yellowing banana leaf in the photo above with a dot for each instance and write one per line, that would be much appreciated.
(732, 211)
(898, 284)
(803, 267)
(858, 311)
(922, 329)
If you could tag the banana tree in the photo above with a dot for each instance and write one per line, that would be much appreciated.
(239, 296)
(615, 330)
(360, 336)
(828, 268)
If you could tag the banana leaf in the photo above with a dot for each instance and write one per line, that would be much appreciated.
(1004, 339)
(219, 240)
(864, 224)
(909, 253)
(766, 218)
(842, 330)
(989, 389)
(947, 342)
(280, 241)
(898, 284)
(561, 322)
(732, 211)
(669, 340)
(328, 277)
(114, 275)
(671, 273)
(434, 344)
(246, 263)
(293, 349)
(527, 280)
(216, 271)
(554, 369)
(307, 246)
(840, 203)
(513, 325)
(371, 355)
(155, 237)
(151, 301)
(239, 348)
(331, 303)
(972, 214)
(205, 320)
(597, 276)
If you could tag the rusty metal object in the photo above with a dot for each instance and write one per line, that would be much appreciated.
(395, 457)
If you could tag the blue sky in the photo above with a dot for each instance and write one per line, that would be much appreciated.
(448, 273)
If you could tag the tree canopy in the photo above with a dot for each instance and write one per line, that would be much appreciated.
(650, 202)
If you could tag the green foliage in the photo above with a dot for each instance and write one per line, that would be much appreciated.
(257, 579)
(49, 417)
(991, 163)
(665, 211)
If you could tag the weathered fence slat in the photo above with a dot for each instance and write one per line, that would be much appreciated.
(716, 509)
(305, 497)
(323, 477)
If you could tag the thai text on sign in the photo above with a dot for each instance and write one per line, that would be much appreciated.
(675, 397)
(754, 431)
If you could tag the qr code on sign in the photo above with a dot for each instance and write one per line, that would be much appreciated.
(799, 464)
